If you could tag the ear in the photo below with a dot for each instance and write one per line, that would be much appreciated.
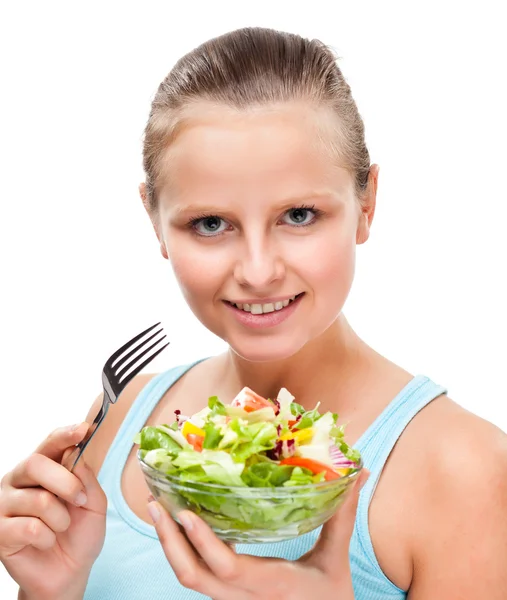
(367, 208)
(153, 218)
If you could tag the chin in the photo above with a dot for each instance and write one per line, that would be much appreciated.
(266, 350)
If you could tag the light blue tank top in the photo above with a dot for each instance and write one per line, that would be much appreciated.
(132, 565)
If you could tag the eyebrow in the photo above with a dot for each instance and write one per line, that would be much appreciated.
(182, 209)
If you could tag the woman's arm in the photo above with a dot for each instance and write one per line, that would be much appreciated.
(460, 541)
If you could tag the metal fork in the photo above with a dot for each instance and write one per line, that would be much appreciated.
(115, 377)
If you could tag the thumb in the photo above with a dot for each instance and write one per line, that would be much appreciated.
(332, 548)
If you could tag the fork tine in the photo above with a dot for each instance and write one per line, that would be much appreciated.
(126, 346)
(141, 366)
(121, 373)
(119, 363)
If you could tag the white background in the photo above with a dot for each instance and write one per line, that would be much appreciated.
(80, 267)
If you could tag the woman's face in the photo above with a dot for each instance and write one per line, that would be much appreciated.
(260, 226)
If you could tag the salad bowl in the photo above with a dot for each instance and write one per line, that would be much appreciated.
(256, 471)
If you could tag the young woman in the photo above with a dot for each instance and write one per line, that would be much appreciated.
(259, 187)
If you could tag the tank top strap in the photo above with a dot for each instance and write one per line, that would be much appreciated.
(378, 441)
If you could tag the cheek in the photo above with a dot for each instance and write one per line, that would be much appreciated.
(337, 270)
(191, 276)
(327, 262)
(196, 270)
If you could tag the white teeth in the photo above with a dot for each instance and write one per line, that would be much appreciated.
(260, 309)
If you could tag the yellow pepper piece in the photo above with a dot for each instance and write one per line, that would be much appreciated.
(343, 472)
(189, 427)
(299, 436)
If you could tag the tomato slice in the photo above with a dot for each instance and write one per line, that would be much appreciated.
(312, 465)
(249, 401)
(196, 441)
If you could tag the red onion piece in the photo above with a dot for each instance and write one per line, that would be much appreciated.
(288, 448)
(339, 460)
(276, 452)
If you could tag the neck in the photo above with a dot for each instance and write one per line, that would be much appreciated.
(330, 362)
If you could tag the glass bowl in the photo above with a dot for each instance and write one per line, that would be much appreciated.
(252, 515)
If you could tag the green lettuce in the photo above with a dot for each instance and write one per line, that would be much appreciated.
(246, 439)
(151, 438)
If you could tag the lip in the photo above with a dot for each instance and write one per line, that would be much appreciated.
(267, 320)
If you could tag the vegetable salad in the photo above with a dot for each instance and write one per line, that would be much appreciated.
(253, 442)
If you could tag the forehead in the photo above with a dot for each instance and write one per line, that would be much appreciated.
(283, 147)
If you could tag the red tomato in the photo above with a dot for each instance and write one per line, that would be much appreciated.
(312, 465)
(249, 401)
(196, 441)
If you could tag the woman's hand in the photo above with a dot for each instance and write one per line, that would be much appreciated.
(209, 566)
(52, 522)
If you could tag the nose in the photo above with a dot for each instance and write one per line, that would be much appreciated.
(259, 266)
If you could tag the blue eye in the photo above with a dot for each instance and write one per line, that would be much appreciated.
(209, 226)
(299, 216)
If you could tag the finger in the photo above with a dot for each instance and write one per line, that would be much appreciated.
(96, 500)
(59, 440)
(219, 557)
(184, 562)
(244, 573)
(39, 470)
(333, 545)
(19, 532)
(230, 545)
(54, 446)
(39, 503)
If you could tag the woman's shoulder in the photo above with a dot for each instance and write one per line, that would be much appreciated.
(468, 450)
(453, 446)
(455, 435)
(440, 481)
(463, 490)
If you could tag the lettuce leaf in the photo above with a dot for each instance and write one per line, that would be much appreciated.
(213, 436)
(151, 438)
(216, 464)
(251, 438)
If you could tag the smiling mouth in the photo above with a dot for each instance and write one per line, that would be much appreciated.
(262, 309)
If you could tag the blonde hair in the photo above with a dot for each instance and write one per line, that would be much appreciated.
(251, 67)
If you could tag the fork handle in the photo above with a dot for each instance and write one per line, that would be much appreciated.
(72, 458)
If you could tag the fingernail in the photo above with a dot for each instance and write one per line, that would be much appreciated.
(73, 427)
(154, 512)
(150, 498)
(185, 519)
(81, 499)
